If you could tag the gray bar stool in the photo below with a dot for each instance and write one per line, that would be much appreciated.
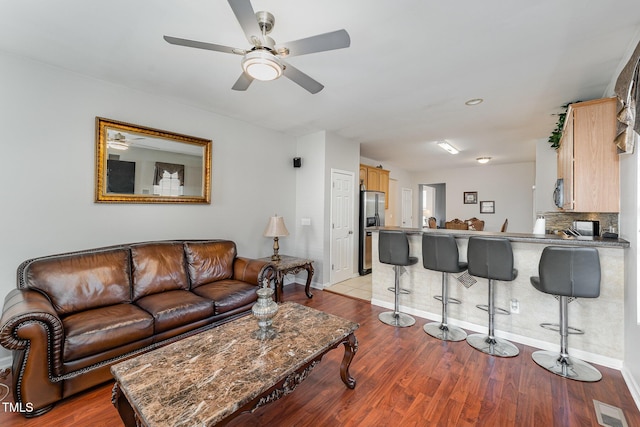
(567, 273)
(491, 258)
(393, 248)
(440, 253)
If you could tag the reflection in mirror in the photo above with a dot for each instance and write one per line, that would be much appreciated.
(135, 164)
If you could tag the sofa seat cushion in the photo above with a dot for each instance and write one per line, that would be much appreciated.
(172, 309)
(228, 294)
(94, 331)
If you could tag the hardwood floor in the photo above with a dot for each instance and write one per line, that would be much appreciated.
(404, 378)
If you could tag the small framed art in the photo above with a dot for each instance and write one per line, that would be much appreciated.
(470, 197)
(488, 207)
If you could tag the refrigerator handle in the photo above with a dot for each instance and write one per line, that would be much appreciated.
(377, 219)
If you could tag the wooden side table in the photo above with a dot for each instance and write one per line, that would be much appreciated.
(289, 264)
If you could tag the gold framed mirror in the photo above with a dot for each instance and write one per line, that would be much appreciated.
(137, 164)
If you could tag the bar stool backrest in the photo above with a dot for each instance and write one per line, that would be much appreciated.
(491, 258)
(440, 253)
(570, 271)
(393, 248)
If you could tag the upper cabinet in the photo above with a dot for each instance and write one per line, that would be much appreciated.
(375, 179)
(588, 159)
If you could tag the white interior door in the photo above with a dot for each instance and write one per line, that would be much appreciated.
(342, 225)
(407, 207)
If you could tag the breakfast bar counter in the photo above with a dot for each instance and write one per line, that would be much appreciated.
(601, 318)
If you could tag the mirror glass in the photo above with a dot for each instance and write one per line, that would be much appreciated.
(136, 164)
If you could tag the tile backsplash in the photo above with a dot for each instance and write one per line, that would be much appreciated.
(555, 221)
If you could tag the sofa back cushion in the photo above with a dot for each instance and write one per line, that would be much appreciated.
(158, 267)
(81, 281)
(210, 261)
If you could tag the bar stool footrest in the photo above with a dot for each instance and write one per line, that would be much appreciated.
(449, 300)
(401, 291)
(556, 328)
(498, 310)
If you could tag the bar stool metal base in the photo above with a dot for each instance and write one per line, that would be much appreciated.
(444, 332)
(493, 346)
(568, 367)
(399, 320)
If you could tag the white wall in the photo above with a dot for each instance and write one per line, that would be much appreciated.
(47, 142)
(510, 186)
(310, 202)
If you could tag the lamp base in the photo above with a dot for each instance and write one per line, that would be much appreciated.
(276, 248)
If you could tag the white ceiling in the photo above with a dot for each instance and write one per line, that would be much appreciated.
(400, 86)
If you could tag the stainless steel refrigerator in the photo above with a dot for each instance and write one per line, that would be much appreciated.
(371, 215)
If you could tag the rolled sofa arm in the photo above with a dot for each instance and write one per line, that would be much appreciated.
(253, 271)
(31, 328)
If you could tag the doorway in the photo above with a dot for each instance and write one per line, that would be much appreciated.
(407, 207)
(432, 203)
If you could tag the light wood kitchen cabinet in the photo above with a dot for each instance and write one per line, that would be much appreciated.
(588, 159)
(376, 179)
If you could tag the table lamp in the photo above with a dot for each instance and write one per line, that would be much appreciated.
(276, 228)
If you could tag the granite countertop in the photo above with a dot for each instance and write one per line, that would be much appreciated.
(546, 239)
(205, 378)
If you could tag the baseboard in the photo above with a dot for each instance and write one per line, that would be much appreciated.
(598, 359)
(632, 385)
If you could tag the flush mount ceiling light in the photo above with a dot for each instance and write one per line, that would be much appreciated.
(447, 147)
(262, 65)
(483, 160)
(474, 101)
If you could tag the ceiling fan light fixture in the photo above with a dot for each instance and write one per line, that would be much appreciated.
(262, 65)
(118, 145)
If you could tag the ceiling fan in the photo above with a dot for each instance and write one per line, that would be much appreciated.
(265, 59)
(119, 141)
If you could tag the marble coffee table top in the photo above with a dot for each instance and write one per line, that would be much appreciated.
(204, 378)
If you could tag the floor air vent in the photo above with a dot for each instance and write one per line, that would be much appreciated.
(609, 416)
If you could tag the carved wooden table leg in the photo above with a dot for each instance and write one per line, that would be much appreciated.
(307, 286)
(350, 349)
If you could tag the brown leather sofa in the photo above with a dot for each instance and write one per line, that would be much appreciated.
(76, 314)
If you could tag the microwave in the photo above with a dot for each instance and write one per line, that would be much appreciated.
(558, 193)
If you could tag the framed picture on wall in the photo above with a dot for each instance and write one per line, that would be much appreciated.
(488, 207)
(470, 197)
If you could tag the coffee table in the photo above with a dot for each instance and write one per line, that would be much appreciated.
(211, 377)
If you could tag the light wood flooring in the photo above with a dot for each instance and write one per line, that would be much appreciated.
(404, 378)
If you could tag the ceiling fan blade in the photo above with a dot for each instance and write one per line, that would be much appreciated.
(246, 17)
(302, 79)
(203, 45)
(243, 82)
(322, 42)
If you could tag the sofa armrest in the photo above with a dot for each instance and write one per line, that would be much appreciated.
(27, 316)
(253, 271)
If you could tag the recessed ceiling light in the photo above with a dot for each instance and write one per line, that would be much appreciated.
(447, 147)
(474, 101)
(483, 160)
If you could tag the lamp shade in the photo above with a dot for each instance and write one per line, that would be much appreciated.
(276, 227)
